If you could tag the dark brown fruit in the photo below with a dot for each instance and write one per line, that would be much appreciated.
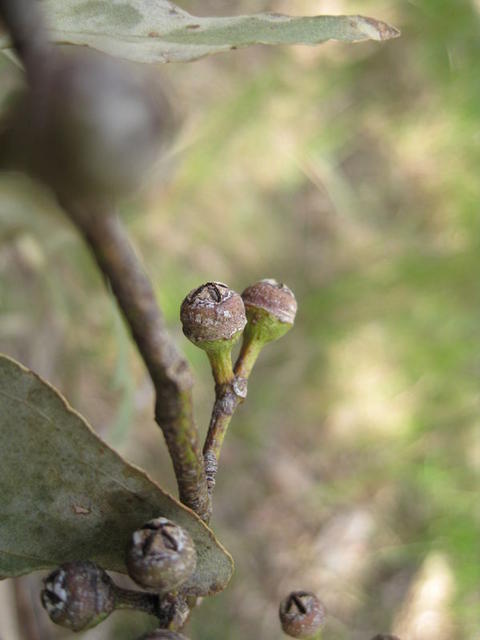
(302, 615)
(161, 555)
(78, 595)
(212, 313)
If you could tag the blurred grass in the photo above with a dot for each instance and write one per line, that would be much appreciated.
(351, 173)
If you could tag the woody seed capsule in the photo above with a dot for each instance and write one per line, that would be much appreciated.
(212, 313)
(161, 555)
(302, 615)
(213, 318)
(271, 308)
(78, 595)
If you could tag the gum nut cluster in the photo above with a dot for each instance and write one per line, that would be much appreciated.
(212, 313)
(78, 595)
(99, 128)
(302, 615)
(270, 297)
(163, 634)
(161, 555)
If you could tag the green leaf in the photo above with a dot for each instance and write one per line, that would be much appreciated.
(65, 495)
(159, 31)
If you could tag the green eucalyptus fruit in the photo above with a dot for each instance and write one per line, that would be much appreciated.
(271, 308)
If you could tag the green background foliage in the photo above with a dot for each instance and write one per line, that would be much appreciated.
(351, 173)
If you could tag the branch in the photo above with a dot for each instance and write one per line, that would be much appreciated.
(24, 22)
(228, 397)
(168, 370)
(120, 266)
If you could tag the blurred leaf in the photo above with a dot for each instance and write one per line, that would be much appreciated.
(67, 496)
(160, 31)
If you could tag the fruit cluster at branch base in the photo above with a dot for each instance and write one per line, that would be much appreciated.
(160, 557)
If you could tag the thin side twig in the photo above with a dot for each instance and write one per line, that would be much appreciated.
(168, 370)
(228, 397)
(25, 25)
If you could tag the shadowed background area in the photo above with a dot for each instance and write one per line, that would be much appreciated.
(350, 172)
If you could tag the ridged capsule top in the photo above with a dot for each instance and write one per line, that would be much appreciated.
(302, 615)
(271, 297)
(161, 555)
(78, 595)
(212, 312)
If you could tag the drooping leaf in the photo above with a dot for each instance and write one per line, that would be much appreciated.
(159, 31)
(65, 495)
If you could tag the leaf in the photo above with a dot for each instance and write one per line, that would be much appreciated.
(65, 495)
(159, 31)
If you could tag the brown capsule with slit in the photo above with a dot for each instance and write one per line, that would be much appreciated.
(161, 555)
(302, 615)
(211, 313)
(213, 318)
(78, 595)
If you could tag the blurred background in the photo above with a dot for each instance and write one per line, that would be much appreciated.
(350, 172)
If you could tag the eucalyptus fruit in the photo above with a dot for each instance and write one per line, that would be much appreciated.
(78, 595)
(213, 318)
(302, 615)
(161, 556)
(270, 307)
